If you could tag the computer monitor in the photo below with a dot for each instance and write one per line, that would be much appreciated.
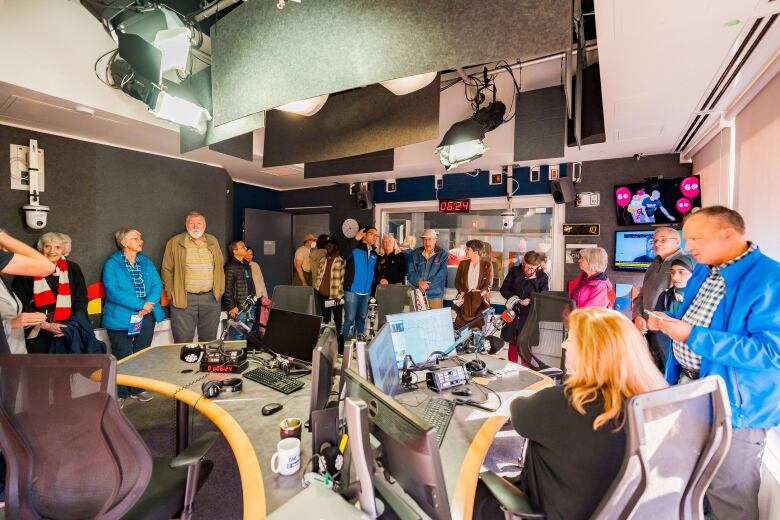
(381, 361)
(410, 450)
(292, 334)
(419, 334)
(323, 368)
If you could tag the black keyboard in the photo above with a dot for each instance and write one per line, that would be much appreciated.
(274, 379)
(438, 413)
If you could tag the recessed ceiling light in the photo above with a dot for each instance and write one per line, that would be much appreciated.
(84, 110)
(732, 23)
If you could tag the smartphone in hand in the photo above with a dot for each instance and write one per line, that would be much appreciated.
(655, 315)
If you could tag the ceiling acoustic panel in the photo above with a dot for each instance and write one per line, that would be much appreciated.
(264, 57)
(381, 161)
(199, 85)
(540, 124)
(356, 122)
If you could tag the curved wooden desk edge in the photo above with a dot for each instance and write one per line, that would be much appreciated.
(246, 459)
(462, 504)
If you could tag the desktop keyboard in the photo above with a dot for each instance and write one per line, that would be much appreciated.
(438, 413)
(273, 379)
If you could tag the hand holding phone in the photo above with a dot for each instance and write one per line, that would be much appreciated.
(655, 315)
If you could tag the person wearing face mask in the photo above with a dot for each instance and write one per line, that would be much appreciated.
(58, 296)
(194, 280)
(302, 261)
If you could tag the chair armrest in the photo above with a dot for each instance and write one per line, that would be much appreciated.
(556, 374)
(511, 497)
(195, 451)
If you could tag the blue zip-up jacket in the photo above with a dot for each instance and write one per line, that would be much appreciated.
(433, 269)
(360, 269)
(742, 344)
(121, 301)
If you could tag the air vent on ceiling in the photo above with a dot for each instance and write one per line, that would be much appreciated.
(284, 171)
(711, 98)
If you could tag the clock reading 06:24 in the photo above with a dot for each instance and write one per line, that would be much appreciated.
(454, 205)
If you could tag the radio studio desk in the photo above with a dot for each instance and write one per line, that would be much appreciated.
(253, 437)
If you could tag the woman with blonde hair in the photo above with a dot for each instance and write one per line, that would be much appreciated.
(391, 266)
(576, 439)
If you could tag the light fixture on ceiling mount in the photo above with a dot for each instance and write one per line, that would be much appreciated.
(305, 107)
(409, 84)
(464, 141)
(180, 111)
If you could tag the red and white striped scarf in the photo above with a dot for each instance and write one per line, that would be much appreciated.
(42, 295)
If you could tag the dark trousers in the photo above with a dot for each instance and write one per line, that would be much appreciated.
(337, 313)
(123, 345)
(202, 313)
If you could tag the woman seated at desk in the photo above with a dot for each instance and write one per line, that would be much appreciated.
(576, 439)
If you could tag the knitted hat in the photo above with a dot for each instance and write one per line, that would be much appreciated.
(687, 261)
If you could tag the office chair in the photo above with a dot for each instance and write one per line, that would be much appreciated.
(676, 438)
(539, 341)
(393, 299)
(296, 298)
(71, 452)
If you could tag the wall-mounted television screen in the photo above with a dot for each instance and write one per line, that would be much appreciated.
(659, 201)
(634, 250)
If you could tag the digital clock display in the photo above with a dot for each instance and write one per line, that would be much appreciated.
(454, 205)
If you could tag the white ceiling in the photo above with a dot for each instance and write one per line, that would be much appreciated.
(658, 59)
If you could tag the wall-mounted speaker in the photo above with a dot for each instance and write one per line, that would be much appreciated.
(364, 199)
(562, 190)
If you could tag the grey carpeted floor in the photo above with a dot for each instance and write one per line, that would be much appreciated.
(221, 496)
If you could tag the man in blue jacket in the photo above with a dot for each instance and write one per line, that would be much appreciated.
(427, 269)
(358, 281)
(729, 325)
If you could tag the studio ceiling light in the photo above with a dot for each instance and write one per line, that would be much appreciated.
(463, 142)
(305, 107)
(180, 111)
(409, 84)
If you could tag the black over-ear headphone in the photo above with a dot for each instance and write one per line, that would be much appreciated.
(213, 387)
(476, 367)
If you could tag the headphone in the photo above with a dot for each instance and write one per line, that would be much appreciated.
(213, 387)
(476, 367)
(329, 461)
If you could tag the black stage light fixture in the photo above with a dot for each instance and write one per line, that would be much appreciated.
(463, 142)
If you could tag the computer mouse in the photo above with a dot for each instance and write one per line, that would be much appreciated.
(271, 408)
(462, 391)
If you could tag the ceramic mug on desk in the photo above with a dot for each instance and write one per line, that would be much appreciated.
(290, 427)
(287, 459)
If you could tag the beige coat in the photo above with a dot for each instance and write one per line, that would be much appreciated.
(174, 265)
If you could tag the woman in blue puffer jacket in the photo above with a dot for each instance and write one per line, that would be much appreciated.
(132, 304)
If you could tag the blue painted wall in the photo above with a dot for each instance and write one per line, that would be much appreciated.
(463, 186)
(254, 197)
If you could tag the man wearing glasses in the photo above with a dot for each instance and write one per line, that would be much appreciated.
(666, 244)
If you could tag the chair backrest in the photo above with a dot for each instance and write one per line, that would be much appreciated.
(676, 438)
(296, 298)
(539, 341)
(393, 299)
(70, 451)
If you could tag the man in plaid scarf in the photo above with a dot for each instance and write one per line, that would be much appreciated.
(729, 325)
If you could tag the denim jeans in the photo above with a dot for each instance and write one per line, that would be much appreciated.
(123, 345)
(249, 318)
(355, 311)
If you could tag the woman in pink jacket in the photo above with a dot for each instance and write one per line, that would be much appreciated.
(592, 287)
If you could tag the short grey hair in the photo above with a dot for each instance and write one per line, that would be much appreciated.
(667, 231)
(596, 257)
(120, 236)
(193, 214)
(57, 238)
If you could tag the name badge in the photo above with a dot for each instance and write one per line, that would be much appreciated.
(135, 325)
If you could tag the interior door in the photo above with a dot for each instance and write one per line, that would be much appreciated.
(269, 234)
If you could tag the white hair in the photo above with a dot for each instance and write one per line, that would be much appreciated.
(55, 238)
(596, 257)
(396, 248)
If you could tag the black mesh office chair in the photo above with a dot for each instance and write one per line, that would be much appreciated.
(393, 299)
(296, 298)
(539, 341)
(676, 438)
(71, 452)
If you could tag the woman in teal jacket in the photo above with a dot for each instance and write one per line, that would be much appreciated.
(132, 304)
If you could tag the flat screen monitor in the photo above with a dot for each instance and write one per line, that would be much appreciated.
(323, 368)
(634, 249)
(410, 450)
(658, 201)
(292, 334)
(419, 334)
(382, 362)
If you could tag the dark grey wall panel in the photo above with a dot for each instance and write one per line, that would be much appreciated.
(540, 124)
(264, 57)
(381, 161)
(240, 146)
(601, 177)
(94, 190)
(341, 204)
(353, 123)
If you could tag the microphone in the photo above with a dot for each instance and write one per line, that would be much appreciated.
(509, 314)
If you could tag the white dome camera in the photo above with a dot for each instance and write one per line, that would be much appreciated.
(508, 219)
(35, 215)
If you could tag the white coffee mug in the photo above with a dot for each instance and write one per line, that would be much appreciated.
(287, 459)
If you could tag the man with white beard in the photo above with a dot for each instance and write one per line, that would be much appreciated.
(194, 280)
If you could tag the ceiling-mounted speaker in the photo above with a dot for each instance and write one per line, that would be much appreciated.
(540, 124)
(562, 190)
(592, 113)
(364, 199)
